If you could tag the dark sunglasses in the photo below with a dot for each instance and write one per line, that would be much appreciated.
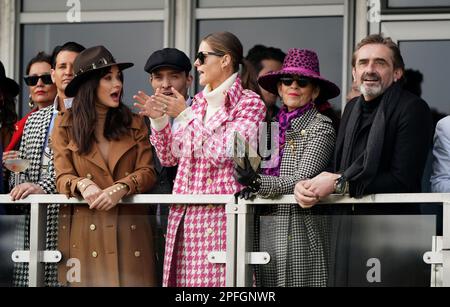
(33, 80)
(202, 55)
(301, 81)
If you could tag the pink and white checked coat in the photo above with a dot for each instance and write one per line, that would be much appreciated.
(204, 167)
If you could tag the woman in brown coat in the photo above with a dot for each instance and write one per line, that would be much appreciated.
(102, 153)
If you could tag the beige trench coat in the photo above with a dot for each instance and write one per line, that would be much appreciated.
(115, 247)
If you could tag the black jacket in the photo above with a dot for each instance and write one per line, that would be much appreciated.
(407, 139)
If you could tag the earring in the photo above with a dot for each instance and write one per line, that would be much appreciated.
(30, 103)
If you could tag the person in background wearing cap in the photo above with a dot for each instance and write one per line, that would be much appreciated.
(227, 104)
(168, 68)
(306, 143)
(102, 153)
(36, 147)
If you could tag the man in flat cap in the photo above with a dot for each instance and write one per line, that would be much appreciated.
(169, 70)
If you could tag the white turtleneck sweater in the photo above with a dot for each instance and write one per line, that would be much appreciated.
(215, 99)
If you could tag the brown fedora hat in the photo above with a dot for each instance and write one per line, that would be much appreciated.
(88, 61)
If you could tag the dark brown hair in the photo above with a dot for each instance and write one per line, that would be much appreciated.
(69, 46)
(386, 41)
(228, 43)
(118, 120)
(41, 57)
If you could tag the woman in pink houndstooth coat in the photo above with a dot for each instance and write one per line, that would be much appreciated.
(199, 143)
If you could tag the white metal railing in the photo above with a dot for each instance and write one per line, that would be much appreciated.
(244, 258)
(238, 257)
(38, 213)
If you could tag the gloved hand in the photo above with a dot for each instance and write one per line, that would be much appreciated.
(245, 193)
(247, 176)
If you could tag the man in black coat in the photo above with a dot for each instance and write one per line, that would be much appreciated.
(381, 147)
(385, 133)
(169, 69)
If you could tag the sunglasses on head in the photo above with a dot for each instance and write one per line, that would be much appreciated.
(33, 80)
(202, 55)
(301, 81)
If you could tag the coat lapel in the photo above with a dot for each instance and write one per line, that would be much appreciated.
(93, 156)
(120, 147)
(44, 121)
(300, 124)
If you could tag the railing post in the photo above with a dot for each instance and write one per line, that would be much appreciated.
(244, 277)
(446, 245)
(230, 266)
(38, 220)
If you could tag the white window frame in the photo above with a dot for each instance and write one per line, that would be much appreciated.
(16, 19)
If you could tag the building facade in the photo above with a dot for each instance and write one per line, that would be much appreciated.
(133, 29)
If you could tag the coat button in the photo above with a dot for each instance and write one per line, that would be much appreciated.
(210, 206)
(137, 254)
(92, 227)
(209, 181)
(94, 254)
(74, 246)
(63, 227)
(88, 176)
(209, 231)
(133, 227)
(303, 132)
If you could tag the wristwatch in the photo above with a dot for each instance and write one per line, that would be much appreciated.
(341, 185)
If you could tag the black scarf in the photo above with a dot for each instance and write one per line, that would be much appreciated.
(362, 170)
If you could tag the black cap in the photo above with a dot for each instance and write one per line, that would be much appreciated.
(168, 57)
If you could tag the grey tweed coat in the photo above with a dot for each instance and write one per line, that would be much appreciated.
(31, 148)
(296, 238)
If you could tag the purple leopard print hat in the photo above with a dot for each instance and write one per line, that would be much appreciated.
(301, 62)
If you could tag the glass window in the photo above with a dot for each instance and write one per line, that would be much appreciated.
(417, 3)
(434, 70)
(91, 5)
(322, 34)
(127, 42)
(235, 3)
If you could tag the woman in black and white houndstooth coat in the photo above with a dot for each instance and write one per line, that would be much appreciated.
(296, 239)
(32, 148)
